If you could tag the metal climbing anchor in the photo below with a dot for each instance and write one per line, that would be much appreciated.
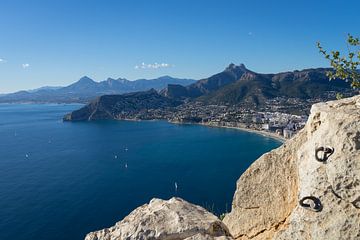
(313, 203)
(327, 152)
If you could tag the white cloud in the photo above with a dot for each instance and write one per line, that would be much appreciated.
(153, 66)
(2, 60)
(25, 65)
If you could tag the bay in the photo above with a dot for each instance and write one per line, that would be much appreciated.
(61, 180)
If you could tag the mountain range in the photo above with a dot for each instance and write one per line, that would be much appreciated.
(86, 89)
(236, 85)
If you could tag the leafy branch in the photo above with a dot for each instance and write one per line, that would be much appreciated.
(345, 66)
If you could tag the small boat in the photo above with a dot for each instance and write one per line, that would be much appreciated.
(126, 166)
(126, 149)
(176, 187)
(115, 156)
(27, 155)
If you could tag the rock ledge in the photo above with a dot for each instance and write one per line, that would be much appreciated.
(172, 219)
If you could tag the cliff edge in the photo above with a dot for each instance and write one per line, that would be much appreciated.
(309, 188)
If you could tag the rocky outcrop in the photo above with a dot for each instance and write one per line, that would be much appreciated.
(266, 202)
(172, 219)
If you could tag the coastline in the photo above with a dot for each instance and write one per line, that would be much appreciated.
(262, 133)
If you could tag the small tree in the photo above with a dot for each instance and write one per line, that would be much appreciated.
(345, 67)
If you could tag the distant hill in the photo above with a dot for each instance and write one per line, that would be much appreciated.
(237, 84)
(207, 85)
(120, 106)
(86, 89)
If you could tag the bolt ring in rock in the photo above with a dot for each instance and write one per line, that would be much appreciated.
(313, 205)
(328, 151)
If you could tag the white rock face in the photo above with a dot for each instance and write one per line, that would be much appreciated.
(266, 201)
(172, 219)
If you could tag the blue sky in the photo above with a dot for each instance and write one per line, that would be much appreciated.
(56, 42)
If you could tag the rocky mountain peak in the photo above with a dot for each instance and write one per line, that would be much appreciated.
(236, 70)
(233, 67)
(165, 77)
(122, 80)
(86, 79)
(110, 79)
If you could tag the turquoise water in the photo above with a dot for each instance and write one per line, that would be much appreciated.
(61, 180)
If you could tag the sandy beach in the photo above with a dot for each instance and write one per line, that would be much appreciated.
(263, 133)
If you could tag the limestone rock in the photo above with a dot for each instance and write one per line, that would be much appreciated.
(172, 219)
(266, 201)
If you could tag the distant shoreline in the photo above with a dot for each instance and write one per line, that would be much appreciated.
(258, 132)
(262, 133)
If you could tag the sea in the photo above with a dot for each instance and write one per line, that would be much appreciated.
(61, 180)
